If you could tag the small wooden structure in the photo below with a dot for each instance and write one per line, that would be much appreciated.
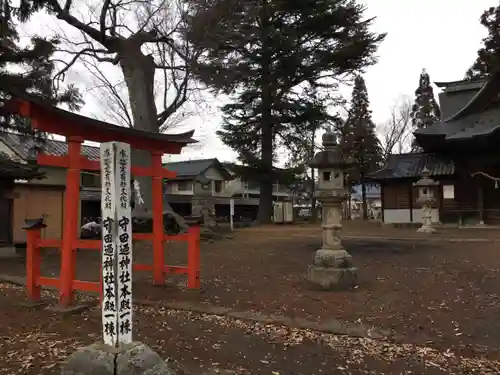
(399, 195)
(76, 129)
(461, 152)
(10, 171)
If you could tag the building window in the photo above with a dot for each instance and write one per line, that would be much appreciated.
(448, 191)
(218, 186)
(184, 186)
(326, 176)
(90, 180)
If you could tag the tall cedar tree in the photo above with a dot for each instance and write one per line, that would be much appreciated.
(488, 56)
(264, 53)
(302, 145)
(27, 69)
(425, 111)
(360, 140)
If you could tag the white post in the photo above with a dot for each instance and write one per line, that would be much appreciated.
(117, 244)
(231, 212)
(124, 243)
(108, 211)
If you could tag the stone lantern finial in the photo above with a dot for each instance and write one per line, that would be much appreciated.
(329, 139)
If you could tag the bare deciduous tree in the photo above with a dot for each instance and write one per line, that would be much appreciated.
(144, 38)
(112, 99)
(395, 134)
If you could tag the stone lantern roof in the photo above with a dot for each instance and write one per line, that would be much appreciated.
(426, 181)
(331, 155)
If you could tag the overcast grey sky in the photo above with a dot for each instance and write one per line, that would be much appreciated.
(441, 36)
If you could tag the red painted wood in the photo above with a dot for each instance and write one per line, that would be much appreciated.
(45, 120)
(49, 281)
(91, 165)
(71, 209)
(33, 263)
(194, 258)
(158, 228)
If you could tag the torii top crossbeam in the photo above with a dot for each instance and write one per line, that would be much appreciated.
(47, 118)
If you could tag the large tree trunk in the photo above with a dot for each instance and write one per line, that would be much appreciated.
(363, 194)
(266, 182)
(138, 71)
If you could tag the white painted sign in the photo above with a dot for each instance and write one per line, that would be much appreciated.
(448, 191)
(116, 244)
(108, 211)
(124, 243)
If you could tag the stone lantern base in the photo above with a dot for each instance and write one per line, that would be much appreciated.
(332, 270)
(426, 217)
(426, 229)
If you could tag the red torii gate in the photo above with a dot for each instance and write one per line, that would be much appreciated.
(76, 129)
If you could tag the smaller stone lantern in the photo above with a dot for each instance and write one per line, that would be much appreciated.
(426, 198)
(332, 268)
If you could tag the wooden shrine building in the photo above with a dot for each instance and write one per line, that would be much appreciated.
(461, 151)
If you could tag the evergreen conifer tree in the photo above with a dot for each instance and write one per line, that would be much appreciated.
(488, 56)
(360, 140)
(27, 69)
(266, 54)
(425, 111)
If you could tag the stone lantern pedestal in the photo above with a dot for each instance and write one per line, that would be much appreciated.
(426, 198)
(426, 216)
(332, 267)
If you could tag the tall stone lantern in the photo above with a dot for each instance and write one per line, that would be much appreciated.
(426, 198)
(332, 268)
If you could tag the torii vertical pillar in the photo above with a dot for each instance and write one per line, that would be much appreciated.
(71, 203)
(158, 227)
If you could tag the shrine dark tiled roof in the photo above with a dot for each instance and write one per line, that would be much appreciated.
(17, 170)
(411, 165)
(23, 145)
(194, 168)
(190, 168)
(473, 119)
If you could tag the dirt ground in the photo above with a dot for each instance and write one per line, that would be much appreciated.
(439, 300)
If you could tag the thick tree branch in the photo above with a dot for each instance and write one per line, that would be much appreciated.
(102, 17)
(64, 15)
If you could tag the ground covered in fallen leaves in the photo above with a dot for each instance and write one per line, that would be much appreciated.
(35, 341)
(438, 301)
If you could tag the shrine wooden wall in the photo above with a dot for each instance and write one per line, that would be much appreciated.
(399, 202)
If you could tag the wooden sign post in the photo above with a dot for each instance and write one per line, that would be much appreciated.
(231, 213)
(116, 244)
